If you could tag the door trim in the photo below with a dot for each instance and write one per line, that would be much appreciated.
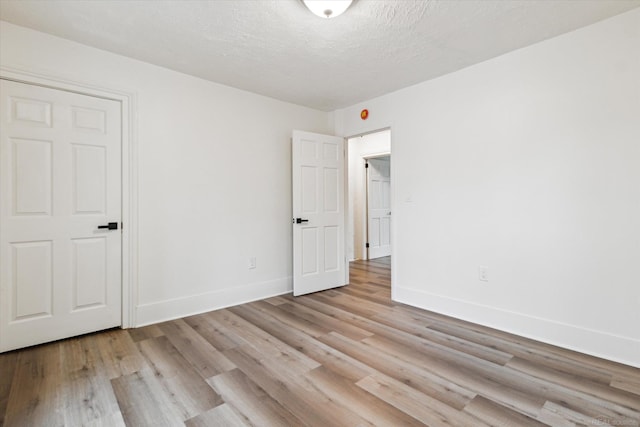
(129, 172)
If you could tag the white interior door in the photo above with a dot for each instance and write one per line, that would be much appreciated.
(379, 207)
(318, 212)
(60, 179)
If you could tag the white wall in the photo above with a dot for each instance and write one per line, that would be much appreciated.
(529, 164)
(214, 175)
(359, 148)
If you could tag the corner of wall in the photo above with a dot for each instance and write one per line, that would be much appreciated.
(336, 122)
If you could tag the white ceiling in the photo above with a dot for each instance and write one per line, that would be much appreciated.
(279, 49)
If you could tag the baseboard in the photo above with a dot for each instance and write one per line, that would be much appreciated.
(161, 311)
(596, 343)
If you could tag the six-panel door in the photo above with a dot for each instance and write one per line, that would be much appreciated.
(318, 200)
(60, 178)
(379, 207)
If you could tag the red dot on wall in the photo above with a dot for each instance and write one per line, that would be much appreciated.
(364, 114)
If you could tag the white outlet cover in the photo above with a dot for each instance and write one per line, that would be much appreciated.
(483, 273)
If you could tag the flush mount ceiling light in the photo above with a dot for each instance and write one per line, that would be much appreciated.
(327, 8)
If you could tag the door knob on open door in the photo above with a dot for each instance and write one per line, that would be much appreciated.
(110, 226)
(300, 220)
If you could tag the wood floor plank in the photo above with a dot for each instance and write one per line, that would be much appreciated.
(366, 270)
(376, 293)
(275, 300)
(480, 379)
(558, 415)
(143, 402)
(345, 357)
(427, 383)
(8, 363)
(180, 380)
(205, 358)
(422, 331)
(209, 329)
(327, 356)
(524, 347)
(251, 401)
(517, 347)
(621, 397)
(326, 307)
(379, 297)
(310, 327)
(521, 392)
(630, 384)
(292, 390)
(424, 408)
(497, 415)
(265, 343)
(353, 304)
(118, 352)
(86, 390)
(363, 403)
(400, 332)
(33, 398)
(329, 323)
(89, 400)
(220, 416)
(146, 332)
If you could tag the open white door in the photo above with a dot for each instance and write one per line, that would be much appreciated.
(60, 214)
(318, 212)
(379, 207)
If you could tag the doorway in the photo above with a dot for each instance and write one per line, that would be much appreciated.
(360, 149)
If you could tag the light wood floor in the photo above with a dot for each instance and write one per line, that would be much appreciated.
(345, 357)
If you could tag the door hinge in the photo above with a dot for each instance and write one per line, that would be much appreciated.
(367, 246)
(366, 165)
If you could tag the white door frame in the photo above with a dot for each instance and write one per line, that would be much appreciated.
(129, 173)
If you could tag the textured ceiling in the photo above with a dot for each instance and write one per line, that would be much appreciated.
(279, 49)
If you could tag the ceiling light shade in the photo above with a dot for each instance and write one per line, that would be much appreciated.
(327, 8)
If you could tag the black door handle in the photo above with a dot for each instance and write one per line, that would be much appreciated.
(300, 220)
(110, 226)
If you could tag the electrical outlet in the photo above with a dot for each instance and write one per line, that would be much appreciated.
(252, 262)
(483, 273)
